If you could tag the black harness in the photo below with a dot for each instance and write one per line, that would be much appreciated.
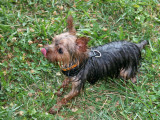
(74, 71)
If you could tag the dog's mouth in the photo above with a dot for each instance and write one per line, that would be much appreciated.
(44, 52)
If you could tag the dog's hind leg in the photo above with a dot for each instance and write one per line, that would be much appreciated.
(134, 79)
(128, 74)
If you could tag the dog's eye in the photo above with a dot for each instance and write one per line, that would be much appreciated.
(60, 51)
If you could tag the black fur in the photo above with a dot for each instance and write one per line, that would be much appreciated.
(115, 56)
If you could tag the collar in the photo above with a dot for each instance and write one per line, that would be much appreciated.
(74, 69)
(69, 68)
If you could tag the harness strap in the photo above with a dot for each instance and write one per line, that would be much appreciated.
(74, 69)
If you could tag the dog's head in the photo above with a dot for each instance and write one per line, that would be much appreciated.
(66, 47)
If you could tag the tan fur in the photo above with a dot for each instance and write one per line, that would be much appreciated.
(67, 42)
(74, 92)
(73, 49)
(71, 28)
(61, 41)
(124, 75)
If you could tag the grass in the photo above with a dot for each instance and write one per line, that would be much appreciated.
(29, 81)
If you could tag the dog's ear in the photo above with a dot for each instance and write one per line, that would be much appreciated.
(82, 43)
(71, 28)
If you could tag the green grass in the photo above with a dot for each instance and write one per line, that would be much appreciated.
(29, 81)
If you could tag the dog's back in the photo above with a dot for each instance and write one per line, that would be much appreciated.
(117, 59)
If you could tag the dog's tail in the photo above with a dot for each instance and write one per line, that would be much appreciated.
(142, 44)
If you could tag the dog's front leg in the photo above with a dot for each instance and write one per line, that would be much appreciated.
(65, 83)
(76, 87)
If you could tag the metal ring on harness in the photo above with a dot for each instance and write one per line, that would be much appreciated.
(94, 51)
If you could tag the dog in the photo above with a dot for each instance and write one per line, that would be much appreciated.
(80, 63)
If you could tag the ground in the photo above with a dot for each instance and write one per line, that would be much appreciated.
(29, 81)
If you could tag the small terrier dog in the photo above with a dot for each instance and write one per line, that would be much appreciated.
(79, 63)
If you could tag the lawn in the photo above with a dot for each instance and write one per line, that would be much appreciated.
(29, 81)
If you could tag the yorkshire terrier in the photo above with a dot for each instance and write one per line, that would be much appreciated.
(80, 64)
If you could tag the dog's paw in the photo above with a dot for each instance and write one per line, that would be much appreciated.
(55, 109)
(52, 111)
(59, 93)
